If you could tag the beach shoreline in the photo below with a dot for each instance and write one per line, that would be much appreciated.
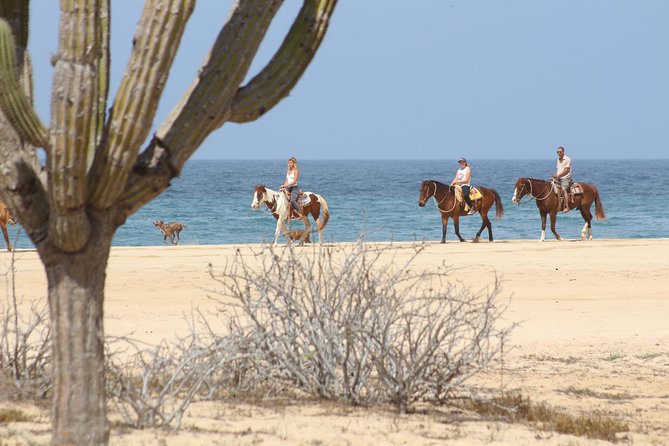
(601, 302)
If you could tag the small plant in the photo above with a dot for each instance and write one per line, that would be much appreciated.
(14, 416)
(649, 356)
(516, 408)
(613, 356)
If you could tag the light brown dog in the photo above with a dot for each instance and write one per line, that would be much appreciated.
(170, 230)
(296, 235)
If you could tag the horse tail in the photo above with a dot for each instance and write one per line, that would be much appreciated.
(325, 213)
(498, 205)
(599, 207)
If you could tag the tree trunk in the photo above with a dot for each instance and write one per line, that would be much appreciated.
(76, 295)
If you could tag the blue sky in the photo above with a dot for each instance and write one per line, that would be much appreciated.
(435, 79)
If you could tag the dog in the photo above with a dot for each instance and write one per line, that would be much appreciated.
(296, 235)
(170, 230)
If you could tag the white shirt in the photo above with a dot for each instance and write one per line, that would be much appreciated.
(561, 165)
(462, 173)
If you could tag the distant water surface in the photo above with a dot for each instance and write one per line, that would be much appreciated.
(380, 199)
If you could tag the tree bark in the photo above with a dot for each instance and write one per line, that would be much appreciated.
(76, 295)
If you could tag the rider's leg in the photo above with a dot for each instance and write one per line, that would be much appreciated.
(565, 193)
(293, 201)
(465, 195)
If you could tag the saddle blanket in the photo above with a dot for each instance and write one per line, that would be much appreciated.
(474, 193)
(305, 198)
(575, 188)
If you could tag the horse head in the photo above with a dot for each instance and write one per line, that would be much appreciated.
(259, 194)
(427, 190)
(520, 190)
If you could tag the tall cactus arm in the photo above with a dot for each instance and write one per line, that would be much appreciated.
(204, 106)
(156, 41)
(17, 14)
(74, 104)
(279, 77)
(97, 128)
(13, 101)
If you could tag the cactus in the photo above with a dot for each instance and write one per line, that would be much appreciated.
(14, 103)
(98, 173)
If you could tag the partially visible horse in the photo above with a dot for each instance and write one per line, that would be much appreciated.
(279, 206)
(548, 203)
(444, 197)
(5, 218)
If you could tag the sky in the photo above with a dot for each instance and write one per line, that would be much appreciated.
(433, 79)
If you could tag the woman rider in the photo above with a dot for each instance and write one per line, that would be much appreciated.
(290, 184)
(463, 178)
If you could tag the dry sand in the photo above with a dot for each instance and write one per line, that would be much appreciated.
(593, 337)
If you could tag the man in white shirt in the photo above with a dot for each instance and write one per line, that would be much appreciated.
(563, 175)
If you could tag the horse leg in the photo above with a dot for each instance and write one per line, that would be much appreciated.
(277, 232)
(456, 224)
(485, 223)
(444, 226)
(6, 234)
(586, 232)
(543, 226)
(307, 226)
(553, 215)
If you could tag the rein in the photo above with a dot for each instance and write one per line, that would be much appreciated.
(531, 193)
(434, 197)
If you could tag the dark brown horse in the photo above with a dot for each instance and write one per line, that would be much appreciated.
(548, 203)
(444, 196)
(5, 218)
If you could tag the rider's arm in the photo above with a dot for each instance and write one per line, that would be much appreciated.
(564, 172)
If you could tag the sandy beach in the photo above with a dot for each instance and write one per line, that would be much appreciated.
(593, 336)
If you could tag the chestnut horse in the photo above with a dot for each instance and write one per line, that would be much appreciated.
(280, 208)
(5, 218)
(444, 197)
(548, 202)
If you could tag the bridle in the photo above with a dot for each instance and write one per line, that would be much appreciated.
(531, 192)
(434, 197)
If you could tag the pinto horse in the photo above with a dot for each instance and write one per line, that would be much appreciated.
(444, 197)
(548, 203)
(279, 206)
(5, 218)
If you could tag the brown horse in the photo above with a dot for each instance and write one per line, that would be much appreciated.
(548, 203)
(5, 218)
(444, 196)
(279, 206)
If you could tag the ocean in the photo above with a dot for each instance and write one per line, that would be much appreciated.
(379, 199)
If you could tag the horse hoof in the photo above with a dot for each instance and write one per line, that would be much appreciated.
(476, 240)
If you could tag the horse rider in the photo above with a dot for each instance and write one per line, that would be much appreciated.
(462, 178)
(290, 184)
(563, 175)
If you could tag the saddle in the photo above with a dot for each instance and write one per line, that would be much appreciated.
(574, 189)
(303, 199)
(474, 193)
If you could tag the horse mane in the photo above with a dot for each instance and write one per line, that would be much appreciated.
(537, 179)
(437, 182)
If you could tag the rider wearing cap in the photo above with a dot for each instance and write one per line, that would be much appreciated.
(462, 178)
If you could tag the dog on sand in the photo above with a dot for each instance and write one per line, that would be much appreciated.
(296, 235)
(170, 230)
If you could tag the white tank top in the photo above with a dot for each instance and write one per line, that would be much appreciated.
(461, 174)
(290, 177)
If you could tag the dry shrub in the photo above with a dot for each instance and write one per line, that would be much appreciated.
(356, 323)
(25, 350)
